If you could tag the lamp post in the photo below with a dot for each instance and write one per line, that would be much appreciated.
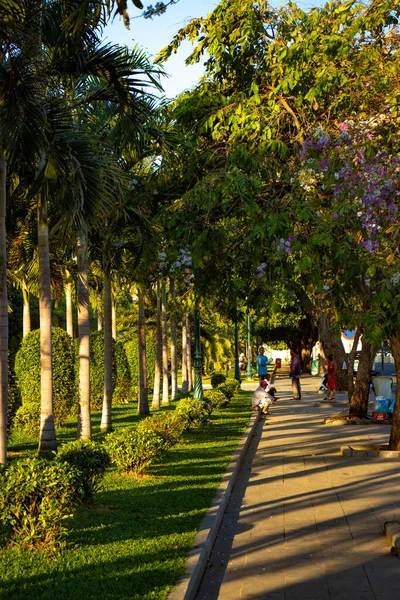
(198, 384)
(249, 372)
(237, 370)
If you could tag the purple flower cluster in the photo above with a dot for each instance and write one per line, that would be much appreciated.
(285, 245)
(368, 181)
(184, 262)
(260, 271)
(162, 262)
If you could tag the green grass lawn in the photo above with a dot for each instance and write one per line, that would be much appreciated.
(134, 541)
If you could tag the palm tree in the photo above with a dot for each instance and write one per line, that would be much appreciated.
(3, 312)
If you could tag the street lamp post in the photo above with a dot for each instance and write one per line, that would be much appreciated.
(198, 384)
(249, 372)
(237, 370)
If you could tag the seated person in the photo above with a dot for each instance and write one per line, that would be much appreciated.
(271, 389)
(261, 400)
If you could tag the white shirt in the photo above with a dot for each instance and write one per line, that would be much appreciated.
(260, 397)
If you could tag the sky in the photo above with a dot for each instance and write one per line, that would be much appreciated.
(154, 34)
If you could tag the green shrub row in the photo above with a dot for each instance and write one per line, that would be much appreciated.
(37, 495)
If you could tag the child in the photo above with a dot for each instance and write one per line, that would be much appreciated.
(331, 383)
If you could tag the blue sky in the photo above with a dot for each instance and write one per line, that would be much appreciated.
(154, 34)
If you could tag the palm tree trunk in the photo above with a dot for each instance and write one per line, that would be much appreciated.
(3, 314)
(113, 317)
(84, 428)
(189, 355)
(394, 441)
(185, 385)
(164, 333)
(47, 436)
(99, 314)
(157, 367)
(174, 362)
(106, 424)
(26, 313)
(143, 401)
(68, 306)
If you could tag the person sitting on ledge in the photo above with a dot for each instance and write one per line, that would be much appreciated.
(261, 400)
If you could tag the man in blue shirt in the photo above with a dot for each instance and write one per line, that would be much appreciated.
(262, 362)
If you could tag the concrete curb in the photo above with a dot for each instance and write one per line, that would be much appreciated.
(199, 554)
(392, 532)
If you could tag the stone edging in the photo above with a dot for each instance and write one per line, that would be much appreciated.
(392, 532)
(199, 554)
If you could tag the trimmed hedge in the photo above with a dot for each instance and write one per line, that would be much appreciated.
(27, 369)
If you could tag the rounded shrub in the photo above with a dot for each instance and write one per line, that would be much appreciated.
(191, 412)
(90, 461)
(27, 369)
(229, 388)
(215, 399)
(121, 375)
(234, 382)
(217, 378)
(132, 451)
(36, 496)
(166, 425)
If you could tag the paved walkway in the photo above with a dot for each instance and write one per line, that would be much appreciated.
(306, 523)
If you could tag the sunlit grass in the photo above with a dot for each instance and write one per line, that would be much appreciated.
(133, 542)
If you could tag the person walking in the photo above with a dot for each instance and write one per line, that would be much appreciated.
(295, 372)
(262, 362)
(331, 383)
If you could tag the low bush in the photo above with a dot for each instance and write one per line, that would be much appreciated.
(192, 413)
(217, 378)
(132, 451)
(166, 425)
(35, 497)
(229, 388)
(234, 382)
(27, 418)
(214, 399)
(90, 461)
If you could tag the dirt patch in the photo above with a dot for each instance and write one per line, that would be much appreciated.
(343, 418)
(369, 451)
